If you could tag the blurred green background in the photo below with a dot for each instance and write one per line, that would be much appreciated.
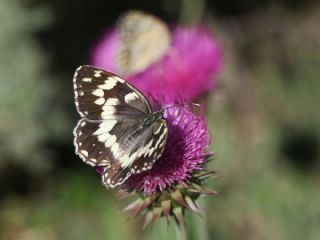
(264, 119)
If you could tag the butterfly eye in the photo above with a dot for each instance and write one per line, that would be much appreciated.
(147, 122)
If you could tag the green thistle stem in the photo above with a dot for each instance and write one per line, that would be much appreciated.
(181, 232)
(191, 11)
(200, 224)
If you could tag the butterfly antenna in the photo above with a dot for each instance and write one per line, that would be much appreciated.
(161, 89)
(181, 105)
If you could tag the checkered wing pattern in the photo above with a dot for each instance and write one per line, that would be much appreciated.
(118, 129)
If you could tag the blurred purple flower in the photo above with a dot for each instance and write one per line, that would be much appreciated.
(188, 68)
(104, 54)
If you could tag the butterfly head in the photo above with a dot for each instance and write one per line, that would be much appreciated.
(155, 116)
(159, 114)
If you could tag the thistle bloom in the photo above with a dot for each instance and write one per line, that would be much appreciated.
(176, 179)
(188, 68)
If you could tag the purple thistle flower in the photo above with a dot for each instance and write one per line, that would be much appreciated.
(188, 68)
(175, 181)
(184, 153)
(105, 51)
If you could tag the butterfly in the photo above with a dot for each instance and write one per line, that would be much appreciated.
(144, 39)
(118, 129)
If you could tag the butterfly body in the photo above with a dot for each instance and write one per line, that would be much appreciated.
(118, 130)
(151, 119)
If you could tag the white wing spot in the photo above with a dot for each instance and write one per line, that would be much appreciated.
(133, 156)
(162, 144)
(110, 141)
(104, 163)
(83, 124)
(118, 79)
(125, 161)
(144, 150)
(150, 151)
(99, 101)
(108, 84)
(112, 101)
(158, 129)
(115, 149)
(98, 92)
(105, 126)
(84, 153)
(130, 97)
(104, 137)
(86, 79)
(161, 139)
(90, 163)
(81, 93)
(107, 110)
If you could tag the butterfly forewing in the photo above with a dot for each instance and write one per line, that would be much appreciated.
(115, 130)
(100, 94)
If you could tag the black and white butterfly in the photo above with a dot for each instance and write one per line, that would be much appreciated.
(118, 129)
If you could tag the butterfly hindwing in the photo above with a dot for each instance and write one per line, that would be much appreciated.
(133, 152)
(115, 175)
(89, 148)
(145, 148)
(152, 149)
(101, 143)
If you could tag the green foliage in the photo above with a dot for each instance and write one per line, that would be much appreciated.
(26, 90)
(269, 87)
